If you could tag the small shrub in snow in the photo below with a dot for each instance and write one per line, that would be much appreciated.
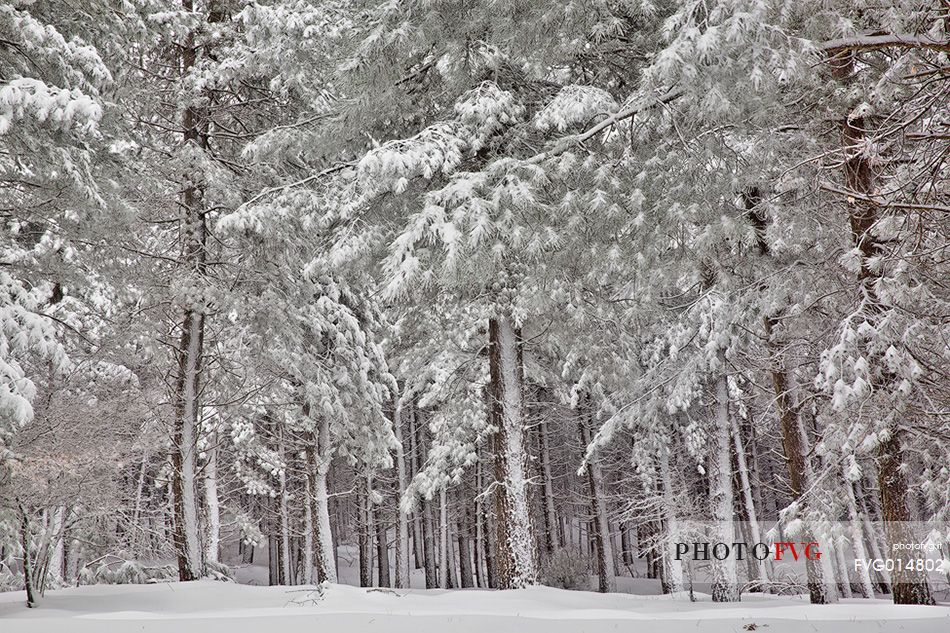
(566, 569)
(112, 570)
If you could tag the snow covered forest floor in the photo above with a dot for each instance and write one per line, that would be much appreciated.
(642, 296)
(211, 606)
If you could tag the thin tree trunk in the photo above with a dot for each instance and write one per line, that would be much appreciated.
(444, 547)
(212, 505)
(363, 537)
(428, 521)
(754, 531)
(27, 566)
(382, 549)
(844, 580)
(479, 528)
(551, 540)
(466, 579)
(429, 538)
(137, 508)
(273, 561)
(516, 558)
(308, 526)
(605, 557)
(857, 538)
(725, 581)
(284, 509)
(672, 568)
(325, 552)
(401, 577)
(449, 546)
(417, 538)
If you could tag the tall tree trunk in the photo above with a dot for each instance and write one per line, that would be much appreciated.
(551, 540)
(325, 552)
(27, 565)
(908, 586)
(189, 353)
(212, 506)
(364, 537)
(417, 544)
(725, 581)
(401, 577)
(55, 571)
(480, 543)
(449, 546)
(137, 507)
(516, 558)
(672, 568)
(308, 526)
(595, 479)
(466, 579)
(273, 560)
(428, 522)
(428, 539)
(844, 580)
(755, 532)
(382, 549)
(284, 511)
(793, 438)
(445, 549)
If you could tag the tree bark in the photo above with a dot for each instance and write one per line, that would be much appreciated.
(466, 579)
(212, 506)
(382, 549)
(908, 586)
(401, 577)
(364, 537)
(793, 439)
(725, 587)
(551, 540)
(325, 553)
(762, 576)
(27, 565)
(672, 568)
(517, 552)
(605, 557)
(189, 353)
(308, 526)
(445, 549)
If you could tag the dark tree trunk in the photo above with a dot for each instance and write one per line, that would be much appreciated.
(414, 461)
(551, 540)
(382, 550)
(601, 529)
(364, 539)
(27, 564)
(909, 587)
(465, 551)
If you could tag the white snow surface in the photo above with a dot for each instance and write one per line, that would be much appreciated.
(209, 606)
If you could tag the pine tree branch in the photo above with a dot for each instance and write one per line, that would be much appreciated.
(567, 142)
(874, 42)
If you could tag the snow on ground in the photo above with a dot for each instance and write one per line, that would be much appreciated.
(209, 606)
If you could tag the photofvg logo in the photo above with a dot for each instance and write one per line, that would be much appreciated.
(780, 550)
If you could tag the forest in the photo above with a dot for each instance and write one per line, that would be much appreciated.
(477, 294)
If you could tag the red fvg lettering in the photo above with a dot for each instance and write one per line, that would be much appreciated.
(810, 552)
